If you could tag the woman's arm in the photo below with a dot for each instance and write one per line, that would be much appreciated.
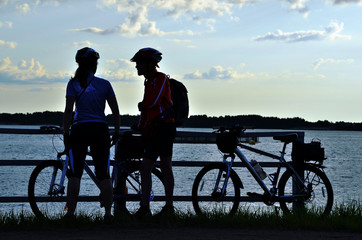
(68, 114)
(112, 102)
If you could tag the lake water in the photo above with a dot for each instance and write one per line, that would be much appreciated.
(343, 150)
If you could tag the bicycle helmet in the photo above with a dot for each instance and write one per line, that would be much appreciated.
(147, 54)
(86, 54)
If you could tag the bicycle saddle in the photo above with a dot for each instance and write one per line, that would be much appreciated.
(286, 138)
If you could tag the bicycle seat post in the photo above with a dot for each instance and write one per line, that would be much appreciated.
(284, 147)
(286, 139)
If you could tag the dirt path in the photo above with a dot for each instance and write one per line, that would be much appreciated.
(187, 233)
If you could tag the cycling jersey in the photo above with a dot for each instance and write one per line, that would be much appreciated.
(156, 99)
(91, 103)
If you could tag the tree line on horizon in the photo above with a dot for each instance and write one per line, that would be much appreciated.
(194, 121)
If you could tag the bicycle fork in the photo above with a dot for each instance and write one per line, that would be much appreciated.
(60, 188)
(225, 175)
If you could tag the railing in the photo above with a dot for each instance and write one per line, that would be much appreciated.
(183, 137)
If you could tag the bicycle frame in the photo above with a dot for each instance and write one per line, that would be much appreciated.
(270, 194)
(130, 176)
(48, 182)
(88, 170)
(65, 163)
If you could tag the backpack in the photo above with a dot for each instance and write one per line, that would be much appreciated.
(180, 107)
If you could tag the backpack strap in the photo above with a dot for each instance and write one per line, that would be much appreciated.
(77, 98)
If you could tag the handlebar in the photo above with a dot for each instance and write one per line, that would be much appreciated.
(237, 129)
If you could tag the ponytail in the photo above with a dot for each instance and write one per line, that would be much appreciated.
(82, 73)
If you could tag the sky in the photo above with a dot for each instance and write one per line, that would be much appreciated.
(274, 58)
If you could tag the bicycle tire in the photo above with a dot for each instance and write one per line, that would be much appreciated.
(43, 203)
(131, 203)
(321, 200)
(203, 193)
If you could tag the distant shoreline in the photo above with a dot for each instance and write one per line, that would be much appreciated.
(194, 121)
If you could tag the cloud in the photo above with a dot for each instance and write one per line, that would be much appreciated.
(23, 8)
(8, 44)
(220, 73)
(97, 30)
(24, 71)
(331, 32)
(180, 7)
(299, 5)
(54, 2)
(32, 71)
(27, 72)
(84, 43)
(137, 22)
(345, 2)
(120, 69)
(145, 29)
(45, 89)
(3, 3)
(6, 24)
(321, 61)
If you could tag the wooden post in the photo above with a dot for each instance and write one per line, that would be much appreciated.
(298, 164)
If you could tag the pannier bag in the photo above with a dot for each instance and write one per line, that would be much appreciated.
(227, 142)
(130, 147)
(312, 151)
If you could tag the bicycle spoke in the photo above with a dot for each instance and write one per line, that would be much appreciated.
(44, 196)
(208, 195)
(130, 201)
(319, 195)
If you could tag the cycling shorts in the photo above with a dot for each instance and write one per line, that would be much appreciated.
(162, 143)
(94, 135)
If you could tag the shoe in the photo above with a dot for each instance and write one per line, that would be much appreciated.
(143, 211)
(166, 211)
(122, 211)
(108, 219)
(68, 217)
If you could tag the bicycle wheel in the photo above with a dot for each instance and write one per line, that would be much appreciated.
(320, 199)
(206, 191)
(44, 202)
(132, 185)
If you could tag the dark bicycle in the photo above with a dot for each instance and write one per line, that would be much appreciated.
(48, 181)
(217, 186)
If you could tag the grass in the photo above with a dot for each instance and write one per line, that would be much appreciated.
(342, 218)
